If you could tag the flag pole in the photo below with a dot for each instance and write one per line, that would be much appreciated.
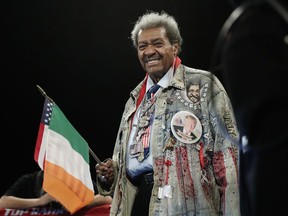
(94, 156)
(43, 92)
(90, 150)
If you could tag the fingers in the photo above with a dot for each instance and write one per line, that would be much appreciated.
(103, 166)
(105, 171)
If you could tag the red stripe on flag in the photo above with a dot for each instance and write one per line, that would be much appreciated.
(38, 142)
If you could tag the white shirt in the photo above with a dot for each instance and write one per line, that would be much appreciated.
(135, 167)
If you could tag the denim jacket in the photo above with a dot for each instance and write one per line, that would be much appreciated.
(203, 175)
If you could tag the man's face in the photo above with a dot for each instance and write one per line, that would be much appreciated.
(189, 124)
(193, 93)
(155, 52)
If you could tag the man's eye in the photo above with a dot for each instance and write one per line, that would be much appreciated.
(158, 44)
(141, 47)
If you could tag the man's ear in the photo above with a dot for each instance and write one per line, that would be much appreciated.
(175, 49)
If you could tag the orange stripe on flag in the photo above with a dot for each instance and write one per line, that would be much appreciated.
(68, 190)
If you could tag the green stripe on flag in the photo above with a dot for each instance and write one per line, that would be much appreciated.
(60, 124)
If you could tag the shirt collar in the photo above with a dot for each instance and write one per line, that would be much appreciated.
(163, 82)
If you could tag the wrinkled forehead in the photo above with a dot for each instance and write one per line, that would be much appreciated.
(151, 33)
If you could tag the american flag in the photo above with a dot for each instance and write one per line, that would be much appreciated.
(145, 141)
(40, 148)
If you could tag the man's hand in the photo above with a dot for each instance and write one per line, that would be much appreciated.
(105, 171)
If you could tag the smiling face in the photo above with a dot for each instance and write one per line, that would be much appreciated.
(156, 54)
(193, 93)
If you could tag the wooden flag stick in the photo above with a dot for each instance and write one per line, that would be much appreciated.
(94, 156)
(43, 92)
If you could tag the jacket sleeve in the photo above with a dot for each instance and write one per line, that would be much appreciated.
(225, 157)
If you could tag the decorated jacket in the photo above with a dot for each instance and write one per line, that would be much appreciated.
(200, 175)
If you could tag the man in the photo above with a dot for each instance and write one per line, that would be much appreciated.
(152, 172)
(252, 57)
(27, 192)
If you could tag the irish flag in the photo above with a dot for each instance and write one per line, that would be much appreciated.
(63, 155)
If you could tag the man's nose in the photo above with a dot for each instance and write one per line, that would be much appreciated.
(149, 50)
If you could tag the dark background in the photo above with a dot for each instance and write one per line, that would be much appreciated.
(80, 53)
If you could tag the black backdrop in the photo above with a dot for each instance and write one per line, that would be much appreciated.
(80, 53)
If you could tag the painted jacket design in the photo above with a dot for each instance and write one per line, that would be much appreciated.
(202, 176)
